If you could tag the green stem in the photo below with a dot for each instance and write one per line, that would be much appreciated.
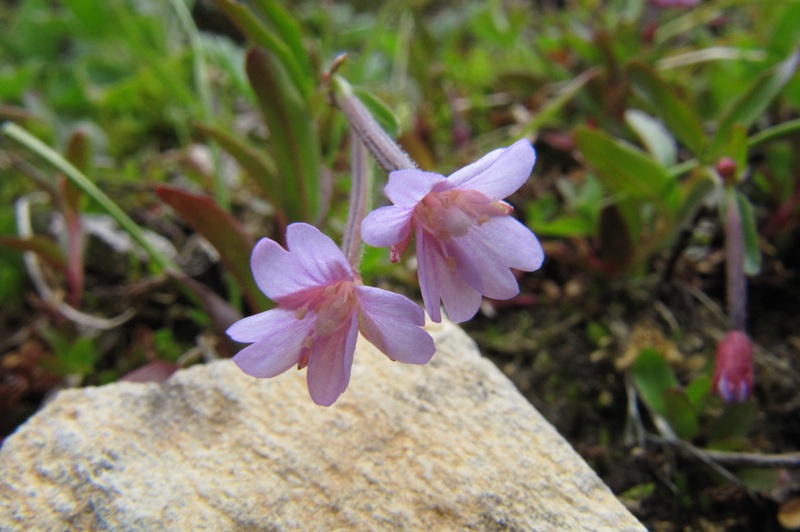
(27, 140)
(775, 132)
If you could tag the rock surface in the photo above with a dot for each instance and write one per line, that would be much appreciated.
(448, 446)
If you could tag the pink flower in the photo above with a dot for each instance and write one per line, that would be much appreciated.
(466, 240)
(321, 307)
(733, 371)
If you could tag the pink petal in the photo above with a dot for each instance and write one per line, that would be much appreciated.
(318, 256)
(506, 238)
(276, 271)
(387, 226)
(497, 176)
(471, 170)
(406, 188)
(262, 325)
(330, 364)
(484, 255)
(392, 323)
(484, 272)
(278, 337)
(427, 273)
(313, 261)
(460, 300)
(437, 280)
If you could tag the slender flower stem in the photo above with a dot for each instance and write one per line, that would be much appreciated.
(385, 150)
(359, 194)
(734, 262)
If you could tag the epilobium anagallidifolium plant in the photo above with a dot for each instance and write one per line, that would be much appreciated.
(466, 242)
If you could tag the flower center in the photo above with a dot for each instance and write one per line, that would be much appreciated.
(452, 213)
(338, 304)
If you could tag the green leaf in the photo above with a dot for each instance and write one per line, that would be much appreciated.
(262, 36)
(294, 142)
(652, 377)
(746, 109)
(693, 192)
(680, 414)
(736, 148)
(564, 227)
(625, 170)
(653, 135)
(786, 129)
(382, 113)
(290, 31)
(752, 255)
(682, 121)
(79, 358)
(735, 422)
(257, 165)
(223, 232)
(551, 109)
(698, 391)
(53, 158)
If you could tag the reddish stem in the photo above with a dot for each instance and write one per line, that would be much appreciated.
(734, 264)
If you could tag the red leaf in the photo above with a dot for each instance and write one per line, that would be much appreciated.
(224, 232)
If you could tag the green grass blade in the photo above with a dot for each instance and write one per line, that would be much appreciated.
(19, 135)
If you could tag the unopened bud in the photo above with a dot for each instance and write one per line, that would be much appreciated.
(733, 371)
(726, 168)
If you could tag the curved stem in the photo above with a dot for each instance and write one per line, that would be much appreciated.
(385, 150)
(359, 195)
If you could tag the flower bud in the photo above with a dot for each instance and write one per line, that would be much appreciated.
(726, 168)
(733, 372)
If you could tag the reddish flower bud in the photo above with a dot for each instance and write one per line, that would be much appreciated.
(726, 168)
(733, 372)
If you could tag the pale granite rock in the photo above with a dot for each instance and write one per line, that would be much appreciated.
(447, 446)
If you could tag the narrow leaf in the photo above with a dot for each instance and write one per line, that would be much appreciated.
(53, 158)
(698, 391)
(752, 255)
(693, 192)
(746, 109)
(652, 377)
(551, 109)
(623, 169)
(680, 414)
(262, 36)
(653, 135)
(679, 119)
(223, 232)
(257, 165)
(289, 31)
(563, 227)
(382, 113)
(294, 141)
(44, 247)
(736, 421)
